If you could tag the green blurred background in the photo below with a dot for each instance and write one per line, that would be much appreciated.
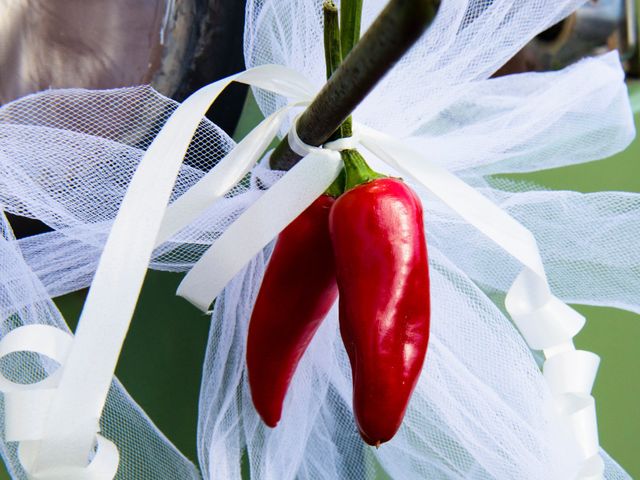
(161, 361)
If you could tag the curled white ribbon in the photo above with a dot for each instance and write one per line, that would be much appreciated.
(27, 406)
(56, 442)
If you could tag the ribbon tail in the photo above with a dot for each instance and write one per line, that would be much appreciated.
(258, 225)
(220, 179)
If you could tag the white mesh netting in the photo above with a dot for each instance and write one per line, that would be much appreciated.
(481, 409)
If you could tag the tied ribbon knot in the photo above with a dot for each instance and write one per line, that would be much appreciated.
(58, 440)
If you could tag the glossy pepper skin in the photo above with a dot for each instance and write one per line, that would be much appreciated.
(383, 279)
(298, 290)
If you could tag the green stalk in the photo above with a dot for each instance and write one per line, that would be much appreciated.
(333, 54)
(333, 59)
(350, 22)
(357, 171)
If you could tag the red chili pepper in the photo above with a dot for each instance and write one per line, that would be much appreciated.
(383, 279)
(297, 291)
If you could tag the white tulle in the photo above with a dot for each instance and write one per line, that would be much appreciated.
(481, 408)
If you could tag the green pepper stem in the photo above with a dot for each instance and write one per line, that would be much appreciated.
(357, 170)
(337, 187)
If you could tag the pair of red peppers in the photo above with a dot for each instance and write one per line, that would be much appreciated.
(368, 245)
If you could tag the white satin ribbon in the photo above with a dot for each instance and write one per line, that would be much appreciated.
(57, 442)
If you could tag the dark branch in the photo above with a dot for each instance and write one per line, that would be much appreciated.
(396, 29)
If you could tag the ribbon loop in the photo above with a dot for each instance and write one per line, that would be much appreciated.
(26, 405)
(552, 324)
(295, 142)
(571, 371)
(103, 465)
(217, 182)
(42, 339)
(579, 413)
